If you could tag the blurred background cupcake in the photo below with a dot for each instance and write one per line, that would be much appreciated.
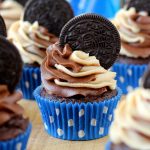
(41, 24)
(11, 10)
(78, 93)
(133, 23)
(131, 127)
(14, 126)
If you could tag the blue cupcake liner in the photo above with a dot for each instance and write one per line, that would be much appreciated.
(108, 145)
(76, 121)
(31, 78)
(128, 76)
(18, 143)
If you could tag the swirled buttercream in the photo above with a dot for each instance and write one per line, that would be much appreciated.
(74, 72)
(31, 40)
(132, 121)
(134, 29)
(11, 11)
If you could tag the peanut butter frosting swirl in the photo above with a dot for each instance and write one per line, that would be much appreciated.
(31, 40)
(134, 29)
(11, 11)
(8, 105)
(132, 121)
(68, 73)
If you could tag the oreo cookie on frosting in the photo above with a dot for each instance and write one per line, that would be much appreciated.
(139, 5)
(10, 64)
(92, 34)
(51, 14)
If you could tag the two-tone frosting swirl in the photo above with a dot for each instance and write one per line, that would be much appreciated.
(31, 40)
(10, 111)
(68, 73)
(132, 121)
(11, 11)
(134, 29)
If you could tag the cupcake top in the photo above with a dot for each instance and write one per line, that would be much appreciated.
(37, 29)
(131, 126)
(73, 65)
(11, 11)
(133, 25)
(12, 121)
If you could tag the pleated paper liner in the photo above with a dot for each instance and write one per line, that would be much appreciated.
(18, 143)
(128, 76)
(76, 121)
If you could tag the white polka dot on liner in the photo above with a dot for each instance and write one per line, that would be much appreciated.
(81, 112)
(101, 131)
(129, 88)
(19, 146)
(105, 110)
(81, 134)
(57, 111)
(110, 117)
(70, 123)
(121, 79)
(27, 84)
(60, 132)
(93, 122)
(45, 125)
(35, 76)
(129, 71)
(51, 118)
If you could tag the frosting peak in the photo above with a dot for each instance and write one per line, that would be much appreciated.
(31, 40)
(132, 121)
(134, 29)
(75, 72)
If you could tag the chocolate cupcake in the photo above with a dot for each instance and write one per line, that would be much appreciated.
(78, 95)
(11, 10)
(131, 127)
(133, 23)
(14, 127)
(42, 22)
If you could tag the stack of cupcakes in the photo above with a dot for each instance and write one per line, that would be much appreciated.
(14, 127)
(131, 127)
(78, 93)
(41, 24)
(133, 23)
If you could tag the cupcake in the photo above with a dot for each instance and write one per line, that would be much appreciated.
(14, 127)
(39, 28)
(133, 23)
(78, 93)
(131, 127)
(11, 10)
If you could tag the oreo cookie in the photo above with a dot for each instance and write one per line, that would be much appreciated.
(51, 14)
(146, 79)
(139, 5)
(3, 30)
(92, 34)
(10, 64)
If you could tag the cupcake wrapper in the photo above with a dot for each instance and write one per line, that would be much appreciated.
(107, 146)
(84, 121)
(31, 78)
(128, 76)
(18, 143)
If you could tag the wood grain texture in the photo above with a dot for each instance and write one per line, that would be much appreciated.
(40, 140)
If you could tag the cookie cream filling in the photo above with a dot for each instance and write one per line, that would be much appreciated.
(31, 40)
(134, 31)
(11, 11)
(132, 121)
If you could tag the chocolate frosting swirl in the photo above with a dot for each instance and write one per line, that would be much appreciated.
(8, 104)
(31, 40)
(9, 111)
(134, 29)
(66, 73)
